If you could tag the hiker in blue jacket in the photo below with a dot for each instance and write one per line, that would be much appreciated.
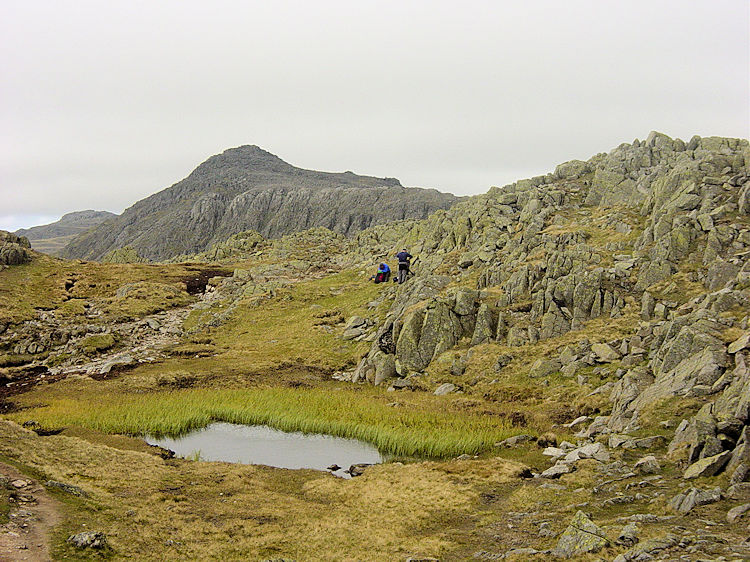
(383, 274)
(403, 258)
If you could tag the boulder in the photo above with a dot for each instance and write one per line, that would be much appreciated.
(557, 471)
(355, 322)
(653, 272)
(737, 512)
(427, 333)
(708, 466)
(628, 535)
(595, 451)
(515, 440)
(648, 549)
(719, 273)
(67, 488)
(445, 388)
(544, 367)
(353, 333)
(648, 303)
(357, 469)
(605, 352)
(581, 537)
(485, 327)
(572, 169)
(647, 465)
(743, 342)
(120, 361)
(89, 539)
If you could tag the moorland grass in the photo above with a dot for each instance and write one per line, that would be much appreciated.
(427, 429)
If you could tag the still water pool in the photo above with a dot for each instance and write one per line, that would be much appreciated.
(261, 444)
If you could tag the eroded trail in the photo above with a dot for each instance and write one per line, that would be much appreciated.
(33, 513)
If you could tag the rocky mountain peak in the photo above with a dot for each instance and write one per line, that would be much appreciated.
(243, 159)
(248, 188)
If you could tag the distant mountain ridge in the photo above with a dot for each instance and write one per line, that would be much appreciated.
(52, 238)
(248, 188)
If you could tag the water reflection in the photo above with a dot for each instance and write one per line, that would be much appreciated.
(261, 444)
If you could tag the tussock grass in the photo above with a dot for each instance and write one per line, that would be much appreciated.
(424, 430)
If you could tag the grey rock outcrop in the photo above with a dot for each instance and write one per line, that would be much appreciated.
(13, 249)
(685, 502)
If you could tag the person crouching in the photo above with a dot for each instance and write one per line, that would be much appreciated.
(383, 274)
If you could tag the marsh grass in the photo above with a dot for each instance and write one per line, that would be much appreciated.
(427, 429)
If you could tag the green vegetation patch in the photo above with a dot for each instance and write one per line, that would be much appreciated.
(287, 326)
(143, 298)
(97, 343)
(426, 429)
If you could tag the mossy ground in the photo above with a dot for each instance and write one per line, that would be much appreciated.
(70, 287)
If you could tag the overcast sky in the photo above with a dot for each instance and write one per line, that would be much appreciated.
(104, 103)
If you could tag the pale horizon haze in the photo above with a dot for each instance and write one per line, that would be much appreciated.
(105, 103)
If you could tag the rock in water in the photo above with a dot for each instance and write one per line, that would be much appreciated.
(582, 536)
(357, 469)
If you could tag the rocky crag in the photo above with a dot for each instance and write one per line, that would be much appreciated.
(52, 238)
(655, 234)
(247, 188)
(14, 250)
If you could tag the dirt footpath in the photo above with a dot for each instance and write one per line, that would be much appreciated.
(33, 513)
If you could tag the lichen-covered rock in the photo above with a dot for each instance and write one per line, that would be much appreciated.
(89, 539)
(605, 352)
(544, 367)
(708, 466)
(486, 326)
(653, 272)
(13, 249)
(13, 254)
(581, 537)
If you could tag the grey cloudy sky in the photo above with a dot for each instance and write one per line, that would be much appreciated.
(104, 103)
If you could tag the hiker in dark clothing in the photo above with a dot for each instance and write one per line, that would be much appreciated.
(383, 274)
(403, 264)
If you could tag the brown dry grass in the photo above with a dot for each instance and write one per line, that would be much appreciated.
(153, 509)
